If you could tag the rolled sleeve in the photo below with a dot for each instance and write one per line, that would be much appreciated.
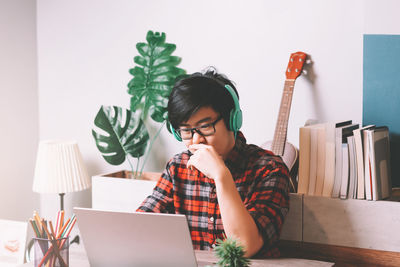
(268, 204)
(161, 199)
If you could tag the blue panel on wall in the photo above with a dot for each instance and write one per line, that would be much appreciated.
(381, 93)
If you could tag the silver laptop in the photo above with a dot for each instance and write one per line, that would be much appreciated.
(135, 239)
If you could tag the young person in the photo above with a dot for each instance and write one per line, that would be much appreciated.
(223, 185)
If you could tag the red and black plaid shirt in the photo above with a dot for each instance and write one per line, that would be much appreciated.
(261, 180)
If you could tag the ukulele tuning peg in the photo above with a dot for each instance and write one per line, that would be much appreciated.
(304, 72)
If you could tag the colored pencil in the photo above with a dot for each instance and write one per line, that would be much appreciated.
(61, 219)
(58, 220)
(62, 229)
(38, 224)
(35, 229)
(68, 226)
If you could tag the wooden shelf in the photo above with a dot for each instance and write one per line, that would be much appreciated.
(350, 222)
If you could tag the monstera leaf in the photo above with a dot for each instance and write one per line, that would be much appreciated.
(125, 134)
(154, 78)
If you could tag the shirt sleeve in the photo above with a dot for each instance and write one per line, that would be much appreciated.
(268, 202)
(161, 200)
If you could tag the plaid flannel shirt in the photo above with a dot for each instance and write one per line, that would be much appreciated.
(261, 180)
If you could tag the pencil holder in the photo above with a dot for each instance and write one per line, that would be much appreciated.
(52, 253)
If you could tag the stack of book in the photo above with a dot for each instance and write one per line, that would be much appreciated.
(343, 160)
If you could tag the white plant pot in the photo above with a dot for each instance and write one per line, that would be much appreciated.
(114, 192)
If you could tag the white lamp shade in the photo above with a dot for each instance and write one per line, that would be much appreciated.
(60, 168)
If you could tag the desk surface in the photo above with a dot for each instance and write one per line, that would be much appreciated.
(77, 257)
(207, 258)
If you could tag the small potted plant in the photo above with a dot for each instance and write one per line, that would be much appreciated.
(230, 253)
(121, 133)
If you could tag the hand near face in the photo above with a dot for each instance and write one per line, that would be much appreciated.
(207, 160)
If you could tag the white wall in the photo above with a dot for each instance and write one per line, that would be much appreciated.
(381, 17)
(86, 48)
(18, 107)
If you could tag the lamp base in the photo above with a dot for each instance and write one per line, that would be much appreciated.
(61, 201)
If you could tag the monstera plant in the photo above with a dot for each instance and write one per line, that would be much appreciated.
(123, 133)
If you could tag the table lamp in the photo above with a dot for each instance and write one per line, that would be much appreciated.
(60, 169)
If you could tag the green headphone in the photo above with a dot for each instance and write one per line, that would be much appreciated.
(235, 117)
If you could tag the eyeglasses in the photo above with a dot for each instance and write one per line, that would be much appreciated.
(204, 130)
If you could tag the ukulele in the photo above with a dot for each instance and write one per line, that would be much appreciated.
(279, 146)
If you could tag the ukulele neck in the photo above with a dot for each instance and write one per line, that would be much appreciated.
(278, 143)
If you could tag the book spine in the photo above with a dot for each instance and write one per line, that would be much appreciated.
(304, 160)
(359, 163)
(345, 171)
(313, 161)
(374, 185)
(367, 167)
(320, 161)
(338, 163)
(352, 192)
(329, 159)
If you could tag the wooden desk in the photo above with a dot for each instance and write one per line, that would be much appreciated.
(342, 256)
(78, 258)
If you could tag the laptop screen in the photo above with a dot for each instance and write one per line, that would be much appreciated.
(135, 239)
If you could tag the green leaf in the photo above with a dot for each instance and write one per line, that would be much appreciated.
(143, 49)
(164, 50)
(155, 38)
(153, 77)
(124, 133)
(166, 61)
(142, 61)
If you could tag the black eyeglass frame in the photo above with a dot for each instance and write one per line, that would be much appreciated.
(197, 129)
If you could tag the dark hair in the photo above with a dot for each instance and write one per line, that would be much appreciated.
(198, 90)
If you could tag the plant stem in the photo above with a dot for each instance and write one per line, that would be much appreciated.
(130, 164)
(137, 167)
(150, 146)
